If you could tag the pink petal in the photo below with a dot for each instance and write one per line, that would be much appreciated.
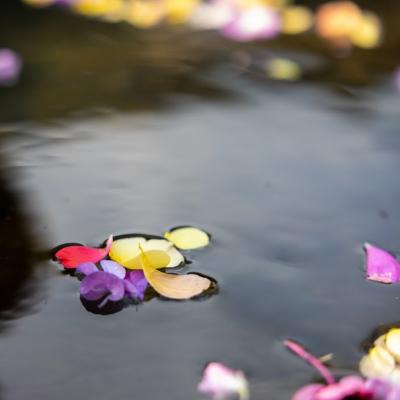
(72, 256)
(381, 266)
(220, 382)
(308, 392)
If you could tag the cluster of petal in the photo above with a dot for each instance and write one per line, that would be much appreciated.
(383, 359)
(111, 282)
(380, 265)
(10, 67)
(221, 382)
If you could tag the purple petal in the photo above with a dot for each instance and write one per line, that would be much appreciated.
(99, 284)
(10, 67)
(136, 284)
(381, 266)
(114, 268)
(253, 23)
(307, 392)
(87, 268)
(384, 389)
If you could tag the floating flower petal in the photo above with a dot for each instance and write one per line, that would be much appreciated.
(253, 23)
(296, 19)
(178, 287)
(377, 363)
(100, 284)
(220, 382)
(72, 256)
(381, 266)
(368, 33)
(113, 268)
(10, 67)
(188, 238)
(127, 252)
(283, 69)
(87, 268)
(136, 284)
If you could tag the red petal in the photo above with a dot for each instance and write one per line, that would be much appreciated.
(72, 256)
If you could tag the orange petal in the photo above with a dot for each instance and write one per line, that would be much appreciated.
(178, 287)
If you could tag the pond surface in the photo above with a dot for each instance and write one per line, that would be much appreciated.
(290, 180)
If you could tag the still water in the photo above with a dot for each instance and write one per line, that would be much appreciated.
(290, 179)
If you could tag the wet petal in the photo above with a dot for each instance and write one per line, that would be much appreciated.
(221, 382)
(127, 252)
(136, 284)
(381, 266)
(307, 392)
(188, 238)
(172, 286)
(87, 268)
(99, 284)
(114, 268)
(73, 256)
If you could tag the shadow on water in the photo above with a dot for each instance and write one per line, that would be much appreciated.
(17, 258)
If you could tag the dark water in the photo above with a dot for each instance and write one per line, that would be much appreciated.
(115, 131)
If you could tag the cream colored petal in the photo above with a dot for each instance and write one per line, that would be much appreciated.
(378, 363)
(393, 342)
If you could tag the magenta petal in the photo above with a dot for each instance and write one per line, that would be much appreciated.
(10, 67)
(381, 266)
(307, 392)
(87, 268)
(136, 284)
(114, 268)
(253, 23)
(99, 284)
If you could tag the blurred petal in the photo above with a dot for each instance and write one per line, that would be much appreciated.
(10, 67)
(296, 19)
(188, 238)
(377, 363)
(136, 284)
(221, 382)
(73, 256)
(113, 268)
(172, 286)
(99, 284)
(393, 342)
(307, 392)
(283, 69)
(253, 23)
(381, 266)
(87, 268)
(368, 33)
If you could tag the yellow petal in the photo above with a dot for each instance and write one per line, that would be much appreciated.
(127, 252)
(178, 287)
(179, 11)
(378, 363)
(188, 238)
(283, 69)
(97, 7)
(296, 19)
(368, 33)
(144, 13)
(393, 342)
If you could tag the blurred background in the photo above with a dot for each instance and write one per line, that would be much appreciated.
(272, 124)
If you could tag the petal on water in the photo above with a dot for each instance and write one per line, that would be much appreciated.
(114, 268)
(136, 284)
(72, 256)
(178, 287)
(221, 382)
(100, 284)
(188, 238)
(381, 266)
(127, 252)
(87, 268)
